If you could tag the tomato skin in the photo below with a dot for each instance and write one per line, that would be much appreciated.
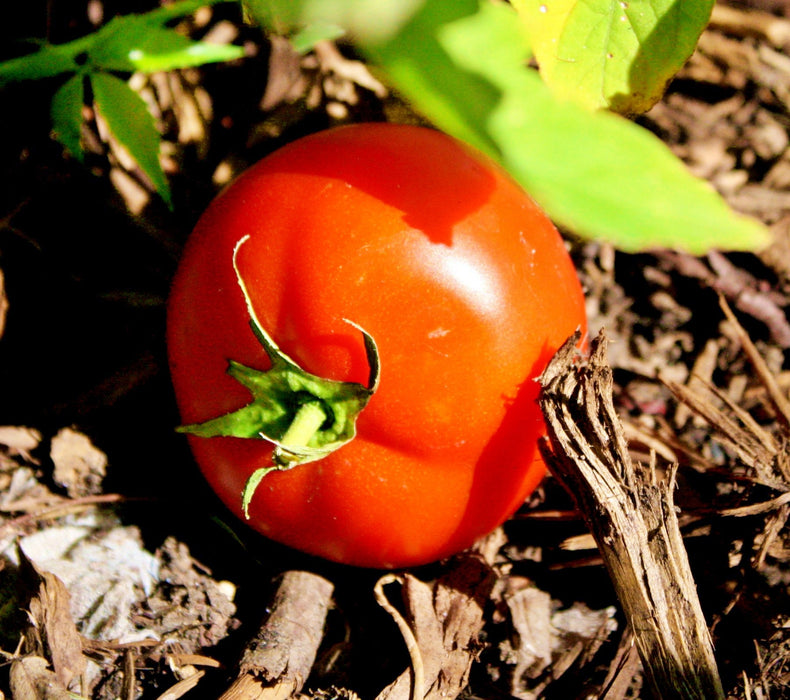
(462, 281)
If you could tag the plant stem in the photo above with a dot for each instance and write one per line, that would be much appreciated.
(308, 419)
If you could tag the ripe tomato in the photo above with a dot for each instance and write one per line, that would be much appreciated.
(466, 288)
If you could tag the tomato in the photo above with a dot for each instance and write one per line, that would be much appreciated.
(465, 286)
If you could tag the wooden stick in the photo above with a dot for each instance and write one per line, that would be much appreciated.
(277, 662)
(632, 517)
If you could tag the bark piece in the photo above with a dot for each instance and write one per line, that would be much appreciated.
(631, 515)
(277, 662)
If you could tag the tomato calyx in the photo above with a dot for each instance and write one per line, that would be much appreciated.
(305, 417)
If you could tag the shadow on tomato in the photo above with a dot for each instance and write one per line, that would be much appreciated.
(405, 151)
(498, 489)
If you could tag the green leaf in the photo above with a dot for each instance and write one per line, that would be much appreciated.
(400, 37)
(594, 172)
(178, 10)
(126, 43)
(417, 64)
(305, 39)
(66, 114)
(138, 43)
(47, 62)
(375, 20)
(617, 54)
(130, 122)
(463, 65)
(281, 17)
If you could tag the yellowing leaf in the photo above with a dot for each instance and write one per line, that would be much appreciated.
(615, 54)
(595, 173)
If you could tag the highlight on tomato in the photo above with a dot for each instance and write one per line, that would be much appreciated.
(354, 333)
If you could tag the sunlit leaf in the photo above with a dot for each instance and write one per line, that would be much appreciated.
(375, 20)
(134, 43)
(595, 172)
(126, 43)
(415, 62)
(279, 16)
(463, 65)
(617, 54)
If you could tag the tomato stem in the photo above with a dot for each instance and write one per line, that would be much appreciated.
(306, 422)
(306, 435)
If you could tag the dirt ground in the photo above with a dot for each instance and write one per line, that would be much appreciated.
(122, 576)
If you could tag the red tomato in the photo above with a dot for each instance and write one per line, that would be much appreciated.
(462, 281)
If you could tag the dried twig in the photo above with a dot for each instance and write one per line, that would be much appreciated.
(778, 399)
(621, 673)
(277, 662)
(632, 518)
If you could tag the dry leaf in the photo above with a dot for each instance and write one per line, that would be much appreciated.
(106, 569)
(445, 620)
(57, 635)
(548, 640)
(31, 679)
(530, 615)
(192, 607)
(20, 440)
(79, 465)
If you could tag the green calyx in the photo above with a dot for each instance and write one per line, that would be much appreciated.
(305, 417)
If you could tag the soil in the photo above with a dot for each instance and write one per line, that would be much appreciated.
(121, 574)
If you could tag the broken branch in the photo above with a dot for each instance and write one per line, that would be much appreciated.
(631, 515)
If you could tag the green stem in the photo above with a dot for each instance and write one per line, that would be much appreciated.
(308, 419)
(311, 434)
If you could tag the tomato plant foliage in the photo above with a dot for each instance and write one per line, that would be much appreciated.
(466, 288)
(465, 65)
(124, 45)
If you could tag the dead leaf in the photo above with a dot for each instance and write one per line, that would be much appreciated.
(55, 634)
(444, 620)
(547, 640)
(20, 441)
(192, 607)
(32, 679)
(530, 615)
(79, 465)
